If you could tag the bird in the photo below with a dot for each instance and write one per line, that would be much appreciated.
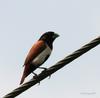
(39, 53)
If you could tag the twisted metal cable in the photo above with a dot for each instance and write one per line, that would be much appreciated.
(53, 68)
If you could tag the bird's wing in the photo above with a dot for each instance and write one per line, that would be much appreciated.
(36, 49)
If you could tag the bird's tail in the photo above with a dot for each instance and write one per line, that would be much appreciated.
(28, 69)
(22, 79)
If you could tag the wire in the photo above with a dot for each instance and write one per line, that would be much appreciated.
(53, 68)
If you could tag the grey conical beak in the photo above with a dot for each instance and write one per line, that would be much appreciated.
(55, 35)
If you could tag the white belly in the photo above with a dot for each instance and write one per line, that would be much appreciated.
(41, 58)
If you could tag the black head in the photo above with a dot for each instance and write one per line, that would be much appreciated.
(49, 37)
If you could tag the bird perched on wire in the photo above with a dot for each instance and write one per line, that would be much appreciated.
(39, 53)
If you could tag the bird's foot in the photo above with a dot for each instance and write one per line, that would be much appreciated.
(35, 74)
(45, 69)
(36, 77)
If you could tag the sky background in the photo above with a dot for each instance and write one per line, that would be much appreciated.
(77, 22)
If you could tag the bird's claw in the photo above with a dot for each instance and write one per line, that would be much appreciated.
(35, 77)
